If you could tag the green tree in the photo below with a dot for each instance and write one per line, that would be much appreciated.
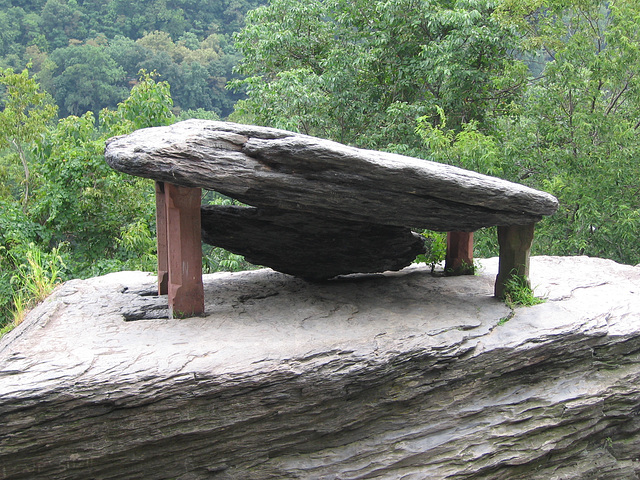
(362, 72)
(193, 89)
(63, 20)
(187, 42)
(24, 117)
(85, 78)
(128, 54)
(83, 203)
(104, 217)
(577, 135)
(9, 28)
(149, 105)
(84, 218)
(574, 131)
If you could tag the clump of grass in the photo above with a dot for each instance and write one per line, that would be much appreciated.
(34, 281)
(518, 293)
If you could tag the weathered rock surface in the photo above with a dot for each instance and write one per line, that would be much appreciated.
(276, 169)
(396, 376)
(309, 247)
(310, 182)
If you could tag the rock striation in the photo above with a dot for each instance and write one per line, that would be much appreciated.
(311, 181)
(266, 167)
(404, 375)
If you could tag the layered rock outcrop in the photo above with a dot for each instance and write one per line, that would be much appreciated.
(270, 168)
(309, 247)
(398, 376)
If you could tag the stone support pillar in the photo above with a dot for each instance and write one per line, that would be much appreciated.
(161, 233)
(184, 250)
(515, 247)
(459, 257)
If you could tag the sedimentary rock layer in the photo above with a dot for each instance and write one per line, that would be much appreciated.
(272, 168)
(308, 246)
(395, 376)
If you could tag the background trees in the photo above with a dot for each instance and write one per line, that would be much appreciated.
(85, 79)
(576, 132)
(23, 119)
(362, 72)
(88, 53)
(84, 218)
(543, 93)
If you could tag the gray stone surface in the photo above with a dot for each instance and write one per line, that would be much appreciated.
(397, 376)
(270, 168)
(313, 183)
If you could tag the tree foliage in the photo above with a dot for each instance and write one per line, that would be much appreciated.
(577, 136)
(361, 72)
(88, 53)
(149, 105)
(544, 93)
(85, 79)
(96, 219)
(26, 111)
(84, 218)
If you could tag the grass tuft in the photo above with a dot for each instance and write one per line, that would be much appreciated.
(518, 293)
(34, 280)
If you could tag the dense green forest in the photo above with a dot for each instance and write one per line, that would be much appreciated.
(87, 54)
(545, 93)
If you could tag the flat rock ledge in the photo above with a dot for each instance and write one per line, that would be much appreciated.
(402, 375)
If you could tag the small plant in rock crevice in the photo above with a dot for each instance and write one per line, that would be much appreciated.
(518, 293)
(436, 248)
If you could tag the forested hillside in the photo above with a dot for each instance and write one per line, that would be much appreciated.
(87, 54)
(542, 93)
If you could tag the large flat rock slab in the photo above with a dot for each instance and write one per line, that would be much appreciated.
(276, 169)
(397, 376)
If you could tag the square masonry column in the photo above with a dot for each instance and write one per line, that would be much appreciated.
(515, 248)
(180, 249)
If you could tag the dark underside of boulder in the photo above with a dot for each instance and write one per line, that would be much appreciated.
(307, 246)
